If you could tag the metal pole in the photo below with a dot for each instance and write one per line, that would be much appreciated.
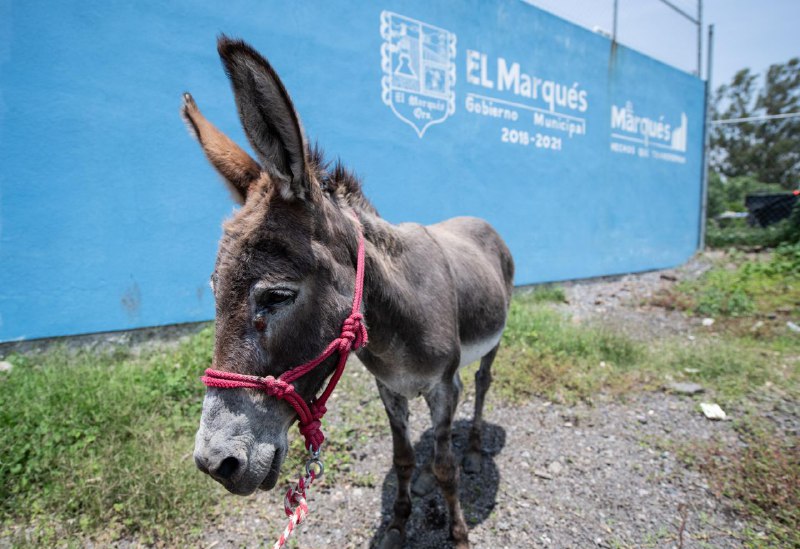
(614, 32)
(706, 140)
(699, 38)
(677, 9)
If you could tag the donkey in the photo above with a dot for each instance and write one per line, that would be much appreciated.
(435, 298)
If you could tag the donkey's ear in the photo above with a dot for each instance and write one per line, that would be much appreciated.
(268, 117)
(235, 166)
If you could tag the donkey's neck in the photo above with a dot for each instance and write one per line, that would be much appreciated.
(391, 305)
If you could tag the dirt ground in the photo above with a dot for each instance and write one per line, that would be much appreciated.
(553, 475)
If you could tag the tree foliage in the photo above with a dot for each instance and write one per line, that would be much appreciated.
(766, 150)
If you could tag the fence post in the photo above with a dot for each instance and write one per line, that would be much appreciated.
(706, 142)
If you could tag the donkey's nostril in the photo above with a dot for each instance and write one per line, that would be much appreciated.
(227, 468)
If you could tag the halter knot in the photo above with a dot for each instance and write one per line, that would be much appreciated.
(354, 333)
(317, 409)
(277, 387)
(312, 432)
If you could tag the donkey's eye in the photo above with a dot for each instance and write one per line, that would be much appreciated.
(275, 298)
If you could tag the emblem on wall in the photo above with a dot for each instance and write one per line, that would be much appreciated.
(419, 71)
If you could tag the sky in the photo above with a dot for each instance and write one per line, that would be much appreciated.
(747, 33)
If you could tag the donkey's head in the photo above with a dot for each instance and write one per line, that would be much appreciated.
(283, 279)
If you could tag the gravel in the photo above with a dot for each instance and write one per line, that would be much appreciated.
(553, 476)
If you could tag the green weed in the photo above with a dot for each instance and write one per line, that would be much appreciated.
(543, 353)
(95, 442)
(759, 477)
(545, 293)
(744, 289)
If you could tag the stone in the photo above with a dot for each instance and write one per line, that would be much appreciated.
(555, 468)
(685, 388)
(542, 474)
(793, 327)
(708, 322)
(5, 366)
(712, 411)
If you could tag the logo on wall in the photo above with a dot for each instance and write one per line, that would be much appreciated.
(419, 71)
(645, 137)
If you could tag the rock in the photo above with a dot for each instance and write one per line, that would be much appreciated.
(685, 388)
(5, 366)
(712, 411)
(642, 419)
(555, 468)
(792, 326)
(542, 474)
(758, 325)
(708, 322)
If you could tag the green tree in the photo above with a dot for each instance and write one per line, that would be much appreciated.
(767, 150)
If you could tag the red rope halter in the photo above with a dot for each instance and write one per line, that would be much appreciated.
(353, 336)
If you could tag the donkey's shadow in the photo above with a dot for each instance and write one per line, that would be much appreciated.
(428, 524)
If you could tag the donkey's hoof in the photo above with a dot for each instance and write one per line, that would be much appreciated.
(425, 483)
(473, 462)
(392, 539)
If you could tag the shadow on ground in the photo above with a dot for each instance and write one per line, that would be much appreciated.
(428, 526)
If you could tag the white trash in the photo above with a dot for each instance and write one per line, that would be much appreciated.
(712, 411)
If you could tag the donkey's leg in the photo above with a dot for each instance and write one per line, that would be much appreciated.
(397, 410)
(473, 460)
(442, 401)
(426, 480)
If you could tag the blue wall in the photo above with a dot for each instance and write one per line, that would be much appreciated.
(109, 213)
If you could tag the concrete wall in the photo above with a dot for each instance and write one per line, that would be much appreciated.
(585, 156)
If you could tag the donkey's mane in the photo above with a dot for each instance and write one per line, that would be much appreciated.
(338, 181)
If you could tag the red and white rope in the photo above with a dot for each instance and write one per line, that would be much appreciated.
(296, 507)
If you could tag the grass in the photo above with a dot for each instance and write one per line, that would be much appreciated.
(101, 443)
(759, 477)
(749, 350)
(741, 234)
(545, 293)
(742, 287)
(546, 355)
(542, 353)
